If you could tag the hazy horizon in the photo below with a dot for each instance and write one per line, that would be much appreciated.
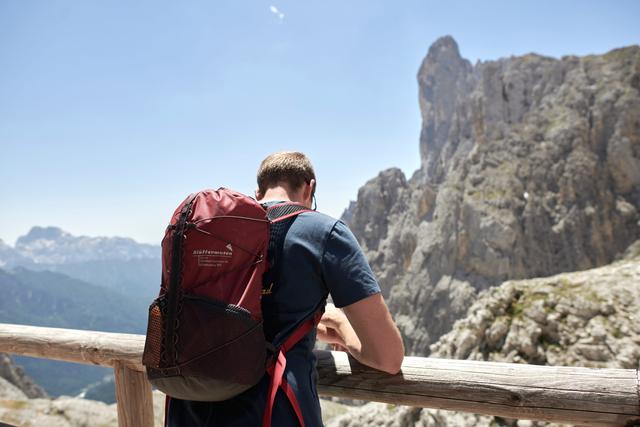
(13, 243)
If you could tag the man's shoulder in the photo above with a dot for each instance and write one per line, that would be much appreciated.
(315, 225)
(318, 220)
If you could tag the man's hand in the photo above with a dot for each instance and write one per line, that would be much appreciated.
(366, 330)
(334, 329)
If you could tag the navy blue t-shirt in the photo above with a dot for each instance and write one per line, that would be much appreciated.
(319, 256)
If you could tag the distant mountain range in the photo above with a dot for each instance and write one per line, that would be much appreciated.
(116, 263)
(52, 278)
(52, 245)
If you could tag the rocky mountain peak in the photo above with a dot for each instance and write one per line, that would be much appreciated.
(443, 50)
(42, 233)
(529, 168)
(443, 78)
(379, 195)
(52, 245)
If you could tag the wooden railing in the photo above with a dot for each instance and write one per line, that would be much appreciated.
(581, 396)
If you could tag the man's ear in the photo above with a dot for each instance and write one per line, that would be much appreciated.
(258, 194)
(312, 184)
(309, 191)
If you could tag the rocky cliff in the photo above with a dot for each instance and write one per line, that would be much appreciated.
(530, 167)
(14, 382)
(588, 318)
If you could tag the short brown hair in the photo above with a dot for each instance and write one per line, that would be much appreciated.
(290, 167)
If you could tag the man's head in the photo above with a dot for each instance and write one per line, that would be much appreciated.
(288, 171)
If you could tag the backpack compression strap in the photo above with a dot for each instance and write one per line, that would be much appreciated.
(276, 371)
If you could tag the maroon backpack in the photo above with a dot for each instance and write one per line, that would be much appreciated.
(205, 337)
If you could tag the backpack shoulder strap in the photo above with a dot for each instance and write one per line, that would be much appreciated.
(280, 217)
(277, 367)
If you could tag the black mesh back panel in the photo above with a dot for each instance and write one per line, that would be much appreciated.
(279, 211)
(277, 233)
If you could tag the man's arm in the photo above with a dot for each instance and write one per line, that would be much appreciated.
(366, 330)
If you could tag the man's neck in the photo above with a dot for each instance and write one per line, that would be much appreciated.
(277, 194)
(282, 194)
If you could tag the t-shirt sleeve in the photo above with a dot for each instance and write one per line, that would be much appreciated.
(345, 269)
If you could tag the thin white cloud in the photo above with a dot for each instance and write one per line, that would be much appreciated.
(276, 12)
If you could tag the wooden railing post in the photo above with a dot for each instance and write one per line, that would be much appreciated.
(133, 394)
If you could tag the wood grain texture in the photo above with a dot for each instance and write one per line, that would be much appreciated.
(582, 396)
(72, 345)
(133, 394)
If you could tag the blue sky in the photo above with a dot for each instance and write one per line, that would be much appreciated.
(112, 111)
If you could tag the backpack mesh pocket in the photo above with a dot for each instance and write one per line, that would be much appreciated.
(153, 348)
